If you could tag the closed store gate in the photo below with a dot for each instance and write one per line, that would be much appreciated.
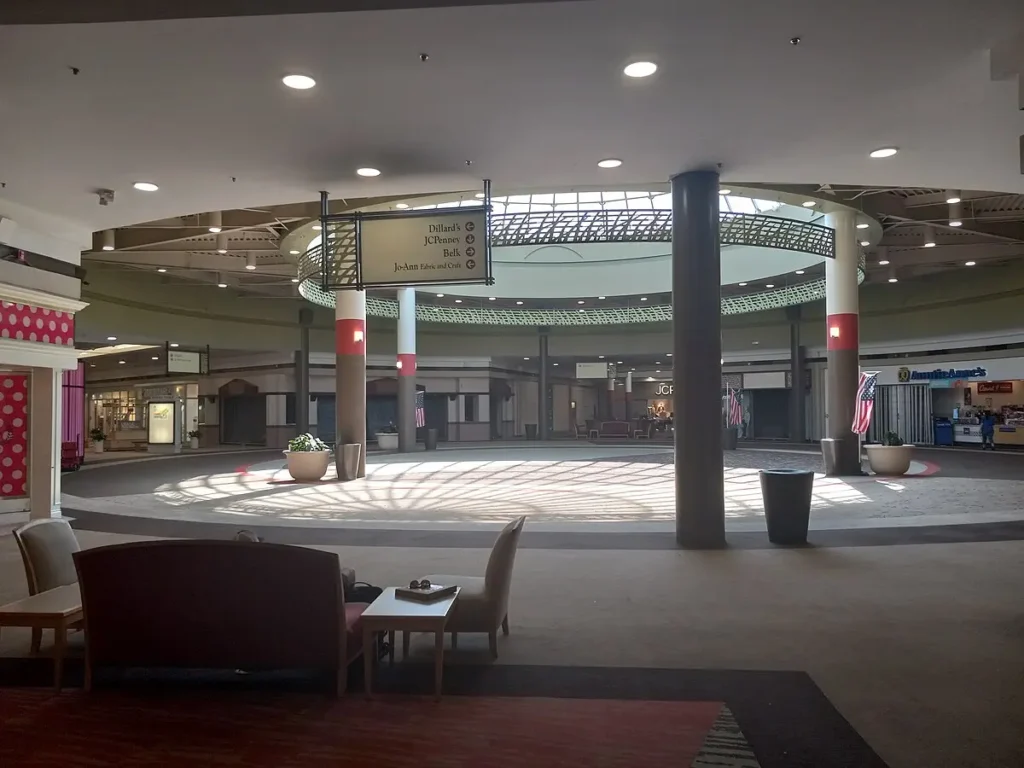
(905, 409)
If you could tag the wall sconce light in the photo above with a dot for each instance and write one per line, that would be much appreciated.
(357, 336)
(833, 331)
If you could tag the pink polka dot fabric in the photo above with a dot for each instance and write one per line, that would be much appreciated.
(24, 322)
(13, 435)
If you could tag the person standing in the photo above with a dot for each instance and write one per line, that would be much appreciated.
(988, 431)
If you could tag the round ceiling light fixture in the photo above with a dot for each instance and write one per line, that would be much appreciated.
(174, 344)
(519, 303)
(155, 357)
(741, 285)
(492, 298)
(724, 192)
(440, 295)
(479, 195)
(640, 69)
(810, 203)
(295, 279)
(317, 227)
(769, 285)
(403, 206)
(863, 225)
(952, 196)
(970, 263)
(299, 82)
(799, 271)
(250, 262)
(893, 280)
(111, 338)
(883, 263)
(864, 243)
(108, 240)
(955, 223)
(368, 173)
(881, 152)
(600, 298)
(609, 162)
(581, 301)
(161, 269)
(145, 186)
(294, 252)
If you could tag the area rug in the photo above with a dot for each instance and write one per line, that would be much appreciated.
(500, 716)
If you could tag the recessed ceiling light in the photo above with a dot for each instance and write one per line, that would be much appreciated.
(883, 152)
(725, 191)
(955, 223)
(581, 301)
(403, 206)
(755, 342)
(174, 344)
(299, 82)
(970, 263)
(658, 362)
(554, 363)
(600, 357)
(92, 365)
(668, 354)
(600, 298)
(161, 269)
(145, 186)
(367, 172)
(120, 362)
(440, 295)
(294, 252)
(799, 271)
(155, 357)
(317, 227)
(519, 303)
(865, 243)
(458, 301)
(640, 69)
(883, 263)
(618, 362)
(215, 230)
(930, 244)
(893, 280)
(741, 284)
(952, 197)
(643, 298)
(770, 285)
(295, 279)
(580, 310)
(863, 225)
(222, 285)
(111, 338)
(108, 247)
(658, 371)
(810, 203)
(491, 298)
(610, 162)
(479, 195)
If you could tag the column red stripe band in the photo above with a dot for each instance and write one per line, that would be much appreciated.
(407, 364)
(842, 331)
(350, 337)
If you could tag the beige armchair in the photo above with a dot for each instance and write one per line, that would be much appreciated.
(47, 552)
(483, 602)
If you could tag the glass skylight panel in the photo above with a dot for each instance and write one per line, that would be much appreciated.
(740, 204)
(590, 197)
(566, 197)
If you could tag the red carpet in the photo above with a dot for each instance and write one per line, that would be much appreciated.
(75, 729)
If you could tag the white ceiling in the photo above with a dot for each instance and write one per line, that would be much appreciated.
(532, 94)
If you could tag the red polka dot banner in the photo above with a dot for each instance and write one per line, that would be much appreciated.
(13, 435)
(44, 326)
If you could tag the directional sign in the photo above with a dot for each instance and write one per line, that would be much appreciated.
(437, 248)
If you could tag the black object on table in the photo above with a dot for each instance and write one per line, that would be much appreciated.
(787, 504)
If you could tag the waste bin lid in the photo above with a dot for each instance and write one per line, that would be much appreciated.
(787, 472)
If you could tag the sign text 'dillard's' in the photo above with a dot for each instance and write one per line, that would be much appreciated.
(447, 247)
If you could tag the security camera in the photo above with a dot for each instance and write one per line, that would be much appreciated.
(424, 56)
(794, 41)
(106, 196)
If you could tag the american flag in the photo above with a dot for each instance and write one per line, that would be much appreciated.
(735, 410)
(865, 402)
(421, 414)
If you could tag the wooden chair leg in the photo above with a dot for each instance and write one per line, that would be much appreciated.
(492, 637)
(455, 640)
(37, 640)
(504, 625)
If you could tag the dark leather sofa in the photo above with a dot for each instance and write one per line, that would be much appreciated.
(202, 604)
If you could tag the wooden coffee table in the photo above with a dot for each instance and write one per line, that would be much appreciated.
(58, 609)
(390, 614)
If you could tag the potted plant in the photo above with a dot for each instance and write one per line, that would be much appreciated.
(193, 439)
(890, 457)
(97, 436)
(387, 438)
(308, 458)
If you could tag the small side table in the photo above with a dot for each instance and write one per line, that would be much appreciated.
(58, 609)
(390, 614)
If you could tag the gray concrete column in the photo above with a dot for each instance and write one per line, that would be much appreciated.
(697, 361)
(406, 366)
(544, 392)
(797, 361)
(302, 372)
(843, 343)
(350, 372)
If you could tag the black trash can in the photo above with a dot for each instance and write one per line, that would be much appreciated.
(346, 460)
(730, 437)
(787, 504)
(828, 455)
(430, 439)
(531, 431)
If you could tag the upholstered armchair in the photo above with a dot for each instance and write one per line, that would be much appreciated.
(47, 552)
(483, 600)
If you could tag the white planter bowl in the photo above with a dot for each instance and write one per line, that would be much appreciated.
(97, 446)
(889, 459)
(308, 466)
(387, 441)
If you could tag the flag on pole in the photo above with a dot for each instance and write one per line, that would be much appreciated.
(735, 410)
(865, 402)
(421, 415)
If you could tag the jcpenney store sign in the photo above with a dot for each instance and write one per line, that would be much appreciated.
(947, 373)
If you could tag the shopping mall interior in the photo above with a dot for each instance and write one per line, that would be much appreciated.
(304, 302)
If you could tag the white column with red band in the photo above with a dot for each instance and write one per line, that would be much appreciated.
(406, 332)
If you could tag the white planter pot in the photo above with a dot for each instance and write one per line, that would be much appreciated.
(889, 459)
(308, 466)
(97, 446)
(193, 443)
(387, 442)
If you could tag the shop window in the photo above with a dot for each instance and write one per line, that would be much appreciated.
(289, 408)
(470, 408)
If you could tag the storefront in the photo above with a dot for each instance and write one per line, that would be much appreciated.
(945, 405)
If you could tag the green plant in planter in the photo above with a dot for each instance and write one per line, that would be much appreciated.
(307, 443)
(193, 433)
(892, 440)
(97, 435)
(390, 429)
